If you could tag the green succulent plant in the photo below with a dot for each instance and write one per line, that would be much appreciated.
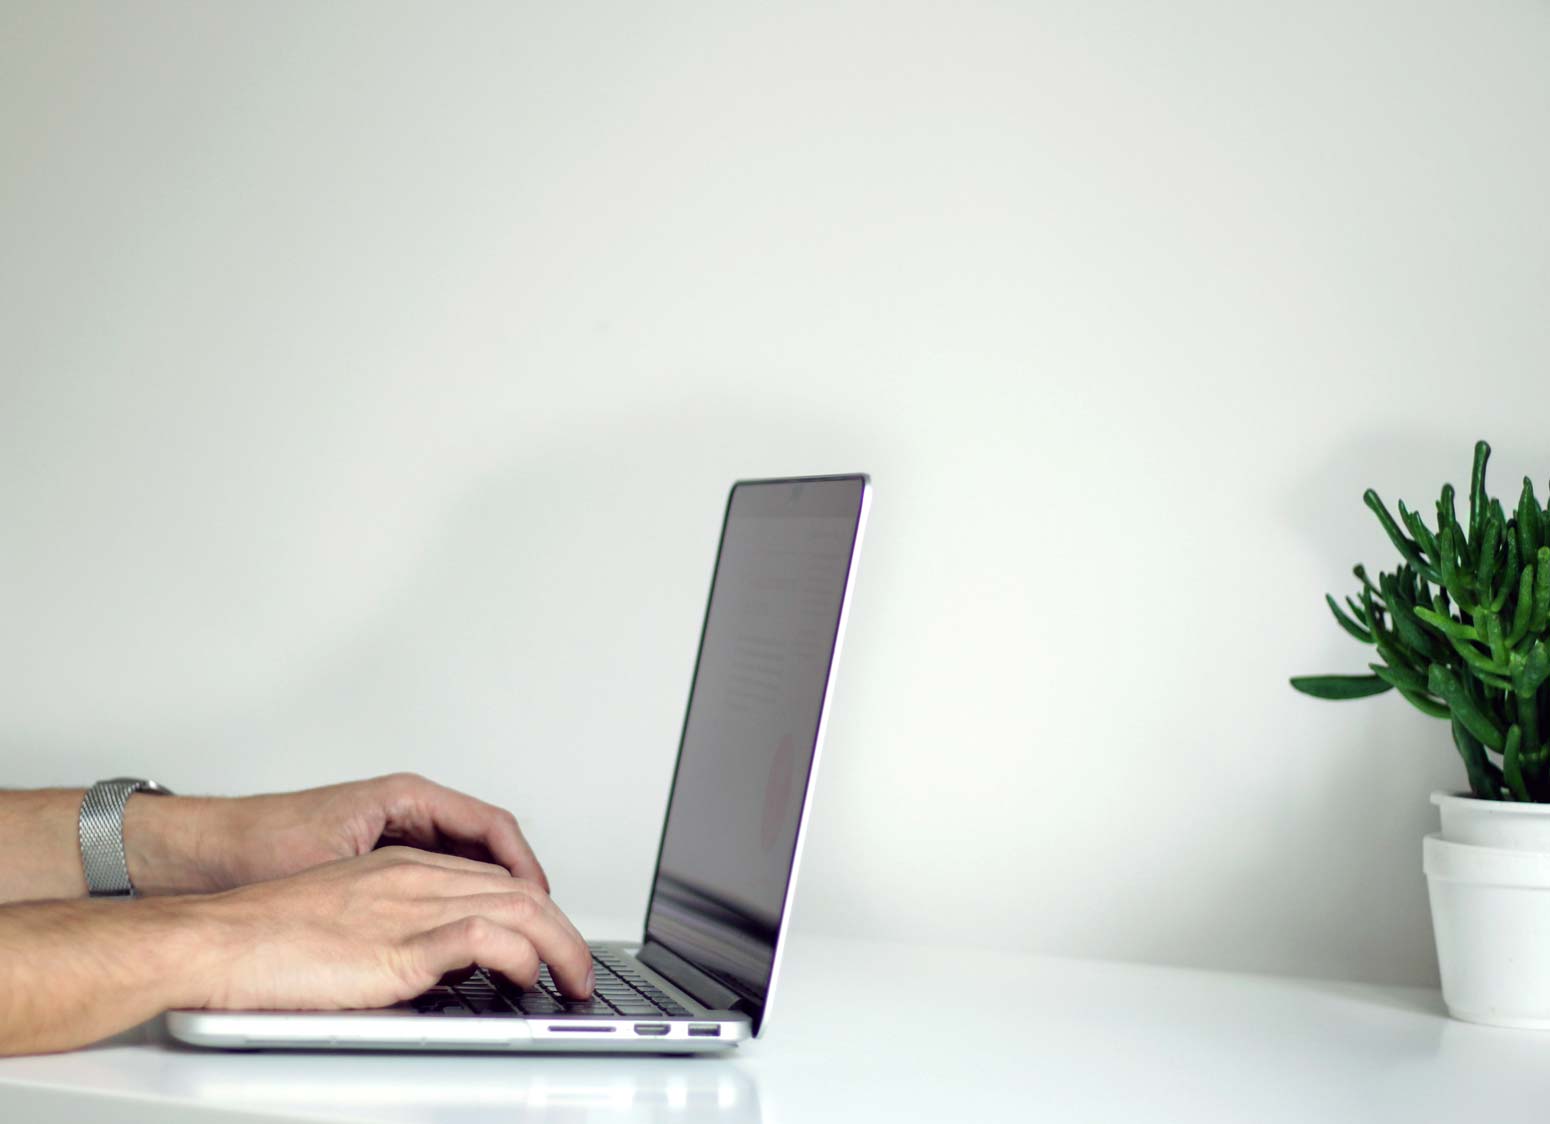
(1462, 631)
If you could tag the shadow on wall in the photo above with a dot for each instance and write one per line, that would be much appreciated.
(557, 606)
(541, 645)
(1336, 858)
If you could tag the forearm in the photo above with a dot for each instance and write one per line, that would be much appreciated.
(74, 972)
(40, 846)
(40, 842)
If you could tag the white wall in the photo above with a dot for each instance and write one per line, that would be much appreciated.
(371, 377)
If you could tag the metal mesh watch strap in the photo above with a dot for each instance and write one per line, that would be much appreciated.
(102, 835)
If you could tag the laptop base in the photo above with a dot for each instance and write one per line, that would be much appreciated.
(404, 1028)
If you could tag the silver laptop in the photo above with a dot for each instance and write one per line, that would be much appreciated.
(703, 976)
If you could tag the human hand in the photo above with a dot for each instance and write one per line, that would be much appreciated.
(179, 844)
(358, 932)
(375, 929)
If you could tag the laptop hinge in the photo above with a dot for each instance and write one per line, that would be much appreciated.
(716, 996)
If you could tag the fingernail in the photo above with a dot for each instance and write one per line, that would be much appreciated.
(591, 979)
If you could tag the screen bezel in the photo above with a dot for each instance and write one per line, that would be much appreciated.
(748, 1003)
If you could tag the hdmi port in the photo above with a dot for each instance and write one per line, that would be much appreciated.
(704, 1030)
(651, 1029)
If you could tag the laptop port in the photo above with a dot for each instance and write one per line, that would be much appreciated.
(651, 1030)
(704, 1030)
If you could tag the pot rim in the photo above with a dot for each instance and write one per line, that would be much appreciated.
(1443, 860)
(1501, 807)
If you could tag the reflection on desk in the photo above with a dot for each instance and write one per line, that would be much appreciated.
(471, 1086)
(1042, 1039)
(335, 1085)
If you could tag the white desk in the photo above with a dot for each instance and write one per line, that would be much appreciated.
(1096, 1042)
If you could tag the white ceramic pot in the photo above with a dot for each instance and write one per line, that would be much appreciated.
(1494, 823)
(1488, 873)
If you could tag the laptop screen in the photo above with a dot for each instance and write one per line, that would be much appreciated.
(755, 704)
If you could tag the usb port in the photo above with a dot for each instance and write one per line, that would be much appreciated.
(704, 1030)
(651, 1029)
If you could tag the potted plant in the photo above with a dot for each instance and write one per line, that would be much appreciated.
(1461, 629)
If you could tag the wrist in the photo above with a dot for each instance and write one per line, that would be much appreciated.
(188, 946)
(167, 844)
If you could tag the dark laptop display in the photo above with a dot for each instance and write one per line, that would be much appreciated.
(756, 705)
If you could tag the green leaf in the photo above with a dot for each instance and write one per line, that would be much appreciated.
(1450, 573)
(1347, 623)
(1491, 541)
(1480, 664)
(1528, 677)
(1482, 782)
(1401, 677)
(1512, 768)
(1498, 682)
(1522, 612)
(1528, 521)
(1407, 548)
(1402, 616)
(1412, 685)
(1339, 686)
(1526, 685)
(1424, 703)
(1477, 500)
(1419, 531)
(1467, 553)
(1508, 574)
(1446, 625)
(1394, 650)
(1446, 517)
(1494, 638)
(1541, 613)
(1361, 575)
(1447, 686)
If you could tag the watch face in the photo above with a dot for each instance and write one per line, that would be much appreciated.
(142, 785)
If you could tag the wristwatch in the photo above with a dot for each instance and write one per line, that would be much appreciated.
(102, 834)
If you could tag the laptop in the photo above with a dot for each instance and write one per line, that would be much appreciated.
(703, 976)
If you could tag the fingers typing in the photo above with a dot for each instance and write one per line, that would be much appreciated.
(556, 940)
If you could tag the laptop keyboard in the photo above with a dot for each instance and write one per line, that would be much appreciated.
(622, 991)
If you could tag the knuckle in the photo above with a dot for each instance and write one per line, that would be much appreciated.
(478, 930)
(402, 784)
(402, 871)
(522, 907)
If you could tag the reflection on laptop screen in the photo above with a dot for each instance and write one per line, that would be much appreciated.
(749, 737)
